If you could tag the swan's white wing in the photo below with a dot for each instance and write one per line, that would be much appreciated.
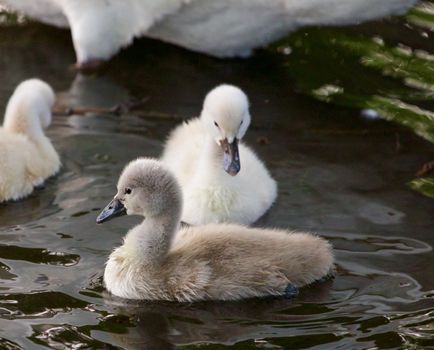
(228, 28)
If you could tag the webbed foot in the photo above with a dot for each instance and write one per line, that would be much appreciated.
(291, 291)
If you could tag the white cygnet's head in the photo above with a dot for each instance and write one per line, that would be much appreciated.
(145, 188)
(29, 108)
(225, 113)
(226, 117)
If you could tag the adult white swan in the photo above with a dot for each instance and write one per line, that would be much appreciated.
(223, 28)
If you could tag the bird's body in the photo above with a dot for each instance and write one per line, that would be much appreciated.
(224, 28)
(160, 261)
(210, 194)
(220, 262)
(195, 155)
(27, 156)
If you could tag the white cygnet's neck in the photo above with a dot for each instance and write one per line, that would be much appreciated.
(29, 109)
(211, 156)
(21, 120)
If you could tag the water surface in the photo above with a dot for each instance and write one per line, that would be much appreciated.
(342, 173)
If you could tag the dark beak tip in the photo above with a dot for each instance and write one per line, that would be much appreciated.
(231, 159)
(101, 218)
(114, 209)
(233, 172)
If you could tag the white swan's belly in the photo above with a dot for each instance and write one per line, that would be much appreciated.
(211, 204)
(216, 197)
(228, 28)
(222, 28)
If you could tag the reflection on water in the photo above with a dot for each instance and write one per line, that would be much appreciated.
(405, 92)
(424, 186)
(340, 174)
(323, 314)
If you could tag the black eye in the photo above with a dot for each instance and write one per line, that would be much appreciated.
(241, 122)
(215, 123)
(127, 190)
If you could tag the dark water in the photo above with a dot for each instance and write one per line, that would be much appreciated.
(340, 174)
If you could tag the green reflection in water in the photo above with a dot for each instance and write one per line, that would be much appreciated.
(346, 68)
(422, 15)
(424, 186)
(419, 120)
(10, 18)
(351, 68)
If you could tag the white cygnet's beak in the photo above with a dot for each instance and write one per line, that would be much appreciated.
(231, 157)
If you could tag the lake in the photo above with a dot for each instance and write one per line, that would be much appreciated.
(343, 118)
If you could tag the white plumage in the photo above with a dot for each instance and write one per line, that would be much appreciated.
(194, 155)
(223, 28)
(27, 156)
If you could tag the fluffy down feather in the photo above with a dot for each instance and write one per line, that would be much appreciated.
(27, 156)
(159, 261)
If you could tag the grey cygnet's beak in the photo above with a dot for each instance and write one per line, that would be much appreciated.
(114, 209)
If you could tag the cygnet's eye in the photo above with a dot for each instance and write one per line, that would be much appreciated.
(127, 190)
(241, 122)
(215, 123)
